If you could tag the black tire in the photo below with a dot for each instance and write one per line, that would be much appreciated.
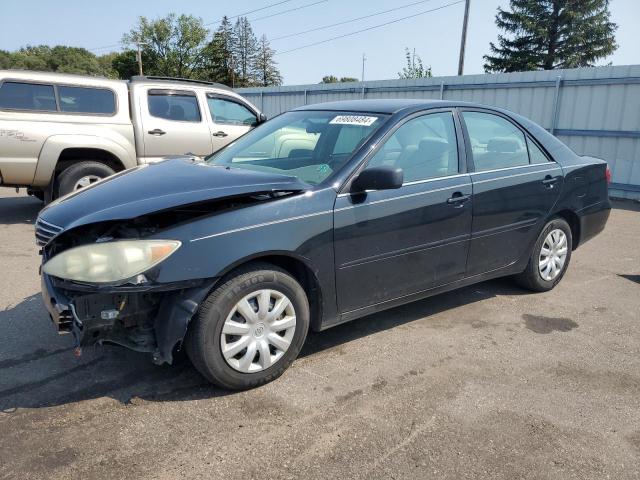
(203, 336)
(67, 179)
(531, 278)
(39, 194)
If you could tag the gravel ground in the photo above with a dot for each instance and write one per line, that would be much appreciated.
(486, 382)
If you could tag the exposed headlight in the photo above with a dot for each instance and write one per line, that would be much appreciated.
(110, 261)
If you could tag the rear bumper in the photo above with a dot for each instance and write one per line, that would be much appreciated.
(593, 220)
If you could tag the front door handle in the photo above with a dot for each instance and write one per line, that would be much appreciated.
(458, 199)
(157, 132)
(220, 134)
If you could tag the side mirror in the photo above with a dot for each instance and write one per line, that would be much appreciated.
(378, 178)
(261, 118)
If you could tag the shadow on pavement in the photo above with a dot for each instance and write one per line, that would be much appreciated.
(23, 209)
(44, 377)
(630, 205)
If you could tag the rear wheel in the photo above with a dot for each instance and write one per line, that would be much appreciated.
(80, 175)
(250, 329)
(550, 257)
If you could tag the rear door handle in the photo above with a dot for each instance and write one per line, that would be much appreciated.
(157, 132)
(549, 181)
(220, 134)
(458, 199)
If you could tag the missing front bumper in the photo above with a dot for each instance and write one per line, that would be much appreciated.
(145, 320)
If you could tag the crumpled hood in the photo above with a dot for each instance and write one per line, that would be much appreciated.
(160, 186)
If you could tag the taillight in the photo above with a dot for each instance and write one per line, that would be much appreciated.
(607, 175)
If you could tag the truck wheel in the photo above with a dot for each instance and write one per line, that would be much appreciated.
(250, 328)
(550, 257)
(80, 175)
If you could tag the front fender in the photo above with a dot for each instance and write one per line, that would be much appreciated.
(55, 144)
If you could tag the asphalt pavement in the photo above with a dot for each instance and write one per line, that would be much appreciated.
(489, 381)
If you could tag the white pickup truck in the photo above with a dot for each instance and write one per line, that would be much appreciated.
(61, 132)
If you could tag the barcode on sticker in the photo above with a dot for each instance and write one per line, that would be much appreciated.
(353, 120)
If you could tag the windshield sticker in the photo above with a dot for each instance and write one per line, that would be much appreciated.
(353, 120)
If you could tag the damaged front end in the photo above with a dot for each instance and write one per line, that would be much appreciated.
(139, 313)
(106, 272)
(150, 319)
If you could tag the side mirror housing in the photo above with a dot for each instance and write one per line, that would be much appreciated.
(261, 118)
(378, 178)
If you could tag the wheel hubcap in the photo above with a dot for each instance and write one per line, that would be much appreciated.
(553, 255)
(258, 331)
(86, 181)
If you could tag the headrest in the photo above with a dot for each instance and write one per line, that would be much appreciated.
(433, 146)
(504, 145)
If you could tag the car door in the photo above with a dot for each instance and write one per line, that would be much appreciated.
(172, 124)
(392, 243)
(515, 185)
(229, 118)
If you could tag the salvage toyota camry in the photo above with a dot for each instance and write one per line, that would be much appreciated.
(322, 215)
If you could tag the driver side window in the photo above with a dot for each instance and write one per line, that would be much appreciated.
(424, 147)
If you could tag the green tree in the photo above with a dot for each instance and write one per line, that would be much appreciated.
(218, 59)
(245, 53)
(550, 34)
(60, 58)
(266, 69)
(334, 79)
(126, 64)
(6, 59)
(414, 68)
(173, 45)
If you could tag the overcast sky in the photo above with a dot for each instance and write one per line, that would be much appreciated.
(435, 35)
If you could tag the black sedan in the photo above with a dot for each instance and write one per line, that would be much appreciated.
(322, 215)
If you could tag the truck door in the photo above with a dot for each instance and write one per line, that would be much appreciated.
(229, 119)
(173, 123)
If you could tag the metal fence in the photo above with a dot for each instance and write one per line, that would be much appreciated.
(595, 111)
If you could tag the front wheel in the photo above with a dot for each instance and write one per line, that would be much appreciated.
(250, 329)
(550, 257)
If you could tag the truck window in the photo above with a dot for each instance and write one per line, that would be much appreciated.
(86, 100)
(176, 105)
(228, 112)
(27, 96)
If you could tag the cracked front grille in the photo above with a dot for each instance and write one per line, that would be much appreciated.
(45, 232)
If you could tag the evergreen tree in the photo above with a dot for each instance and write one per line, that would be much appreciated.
(266, 69)
(218, 55)
(549, 34)
(245, 53)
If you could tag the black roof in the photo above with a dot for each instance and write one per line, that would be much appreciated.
(382, 105)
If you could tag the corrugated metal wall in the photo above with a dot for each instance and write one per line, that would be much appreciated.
(596, 111)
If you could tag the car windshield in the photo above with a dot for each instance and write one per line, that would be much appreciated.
(310, 145)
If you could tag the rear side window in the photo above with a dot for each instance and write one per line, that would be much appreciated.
(176, 105)
(495, 142)
(535, 154)
(86, 100)
(226, 112)
(27, 96)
